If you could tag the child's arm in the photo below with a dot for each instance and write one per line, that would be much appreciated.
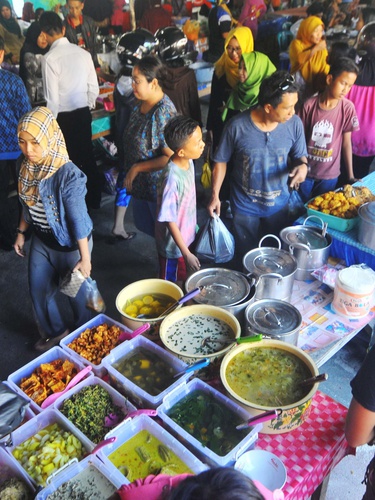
(347, 156)
(191, 260)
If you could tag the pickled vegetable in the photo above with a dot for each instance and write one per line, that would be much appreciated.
(268, 376)
(47, 451)
(147, 370)
(209, 421)
(143, 455)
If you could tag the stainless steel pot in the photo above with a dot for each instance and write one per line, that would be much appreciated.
(309, 245)
(274, 318)
(273, 269)
(366, 228)
(225, 288)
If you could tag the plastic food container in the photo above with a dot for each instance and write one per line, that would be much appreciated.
(203, 71)
(9, 467)
(140, 397)
(41, 421)
(73, 470)
(203, 452)
(132, 427)
(25, 371)
(99, 369)
(343, 225)
(117, 399)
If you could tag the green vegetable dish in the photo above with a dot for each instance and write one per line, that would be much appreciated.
(147, 370)
(210, 422)
(267, 376)
(87, 410)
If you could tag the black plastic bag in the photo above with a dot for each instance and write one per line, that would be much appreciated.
(12, 409)
(215, 243)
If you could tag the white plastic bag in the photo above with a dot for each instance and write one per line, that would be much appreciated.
(215, 243)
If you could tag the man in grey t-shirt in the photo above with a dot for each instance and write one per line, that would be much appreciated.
(267, 150)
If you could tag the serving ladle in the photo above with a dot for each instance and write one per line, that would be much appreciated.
(178, 302)
(240, 340)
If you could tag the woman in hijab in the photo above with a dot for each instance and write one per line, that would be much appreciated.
(10, 31)
(238, 42)
(33, 49)
(308, 55)
(52, 194)
(253, 68)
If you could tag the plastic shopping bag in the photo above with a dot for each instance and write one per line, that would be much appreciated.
(94, 300)
(215, 243)
(12, 410)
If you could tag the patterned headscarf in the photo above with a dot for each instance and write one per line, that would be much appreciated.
(225, 65)
(42, 125)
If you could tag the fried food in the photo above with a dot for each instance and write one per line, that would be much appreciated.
(95, 343)
(343, 204)
(47, 379)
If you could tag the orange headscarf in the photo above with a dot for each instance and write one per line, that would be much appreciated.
(225, 65)
(299, 51)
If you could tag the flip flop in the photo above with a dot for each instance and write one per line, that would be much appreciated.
(117, 238)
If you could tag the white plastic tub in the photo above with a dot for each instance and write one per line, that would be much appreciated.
(203, 452)
(9, 467)
(109, 472)
(140, 397)
(56, 352)
(99, 369)
(41, 421)
(132, 427)
(116, 397)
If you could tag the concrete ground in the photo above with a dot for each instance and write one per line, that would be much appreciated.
(115, 266)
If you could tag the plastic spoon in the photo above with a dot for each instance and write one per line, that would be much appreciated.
(112, 420)
(129, 336)
(77, 378)
(240, 340)
(192, 368)
(263, 417)
(178, 302)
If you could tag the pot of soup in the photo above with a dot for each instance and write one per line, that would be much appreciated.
(269, 374)
(273, 269)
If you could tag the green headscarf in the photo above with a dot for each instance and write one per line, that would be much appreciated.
(245, 95)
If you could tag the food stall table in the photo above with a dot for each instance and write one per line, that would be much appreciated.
(346, 246)
(311, 451)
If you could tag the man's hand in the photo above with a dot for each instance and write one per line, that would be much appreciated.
(214, 206)
(298, 175)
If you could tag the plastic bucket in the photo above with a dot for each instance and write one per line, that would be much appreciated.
(354, 292)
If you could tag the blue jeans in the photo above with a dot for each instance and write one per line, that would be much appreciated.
(46, 268)
(248, 230)
(310, 188)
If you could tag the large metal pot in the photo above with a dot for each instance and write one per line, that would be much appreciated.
(224, 288)
(292, 416)
(366, 229)
(309, 245)
(274, 318)
(273, 269)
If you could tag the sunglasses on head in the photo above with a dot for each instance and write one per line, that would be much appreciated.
(288, 81)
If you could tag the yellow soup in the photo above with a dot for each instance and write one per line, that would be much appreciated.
(143, 455)
(152, 305)
(268, 376)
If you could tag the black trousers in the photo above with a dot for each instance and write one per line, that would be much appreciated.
(76, 127)
(7, 229)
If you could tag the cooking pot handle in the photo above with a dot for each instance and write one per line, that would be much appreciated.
(319, 219)
(271, 275)
(270, 236)
(299, 245)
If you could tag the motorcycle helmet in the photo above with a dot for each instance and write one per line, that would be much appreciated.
(366, 40)
(134, 45)
(172, 43)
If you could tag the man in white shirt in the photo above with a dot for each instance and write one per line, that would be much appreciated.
(71, 88)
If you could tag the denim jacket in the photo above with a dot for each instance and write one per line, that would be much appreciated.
(63, 198)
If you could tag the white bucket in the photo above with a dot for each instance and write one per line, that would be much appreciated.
(354, 292)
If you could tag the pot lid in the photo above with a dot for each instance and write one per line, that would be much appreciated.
(305, 235)
(272, 317)
(357, 278)
(222, 287)
(367, 212)
(265, 260)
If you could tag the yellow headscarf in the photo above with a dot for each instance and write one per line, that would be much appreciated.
(225, 65)
(299, 51)
(42, 125)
